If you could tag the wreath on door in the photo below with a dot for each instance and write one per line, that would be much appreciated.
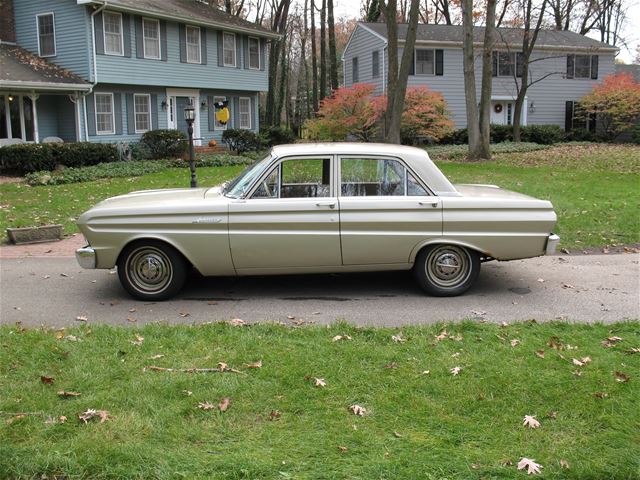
(497, 108)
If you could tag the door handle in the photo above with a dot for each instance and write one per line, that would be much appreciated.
(326, 204)
(430, 203)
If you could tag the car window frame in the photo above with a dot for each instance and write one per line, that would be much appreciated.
(408, 170)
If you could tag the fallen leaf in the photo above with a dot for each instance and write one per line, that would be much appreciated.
(54, 421)
(188, 393)
(391, 365)
(206, 406)
(577, 362)
(585, 360)
(398, 338)
(567, 285)
(552, 414)
(358, 410)
(457, 338)
(564, 464)
(504, 324)
(132, 309)
(530, 464)
(565, 251)
(600, 395)
(138, 341)
(103, 415)
(515, 342)
(540, 353)
(237, 322)
(291, 317)
(131, 319)
(337, 338)
(81, 318)
(46, 277)
(319, 382)
(541, 280)
(506, 462)
(397, 434)
(455, 371)
(455, 355)
(426, 372)
(530, 421)
(577, 373)
(64, 275)
(63, 393)
(274, 415)
(223, 366)
(256, 364)
(15, 418)
(184, 314)
(71, 338)
(224, 404)
(479, 312)
(47, 380)
(156, 357)
(605, 250)
(342, 449)
(633, 350)
(621, 377)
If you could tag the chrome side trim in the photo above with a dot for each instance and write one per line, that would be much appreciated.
(552, 244)
(86, 257)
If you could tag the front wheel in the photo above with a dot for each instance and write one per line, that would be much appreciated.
(152, 270)
(446, 270)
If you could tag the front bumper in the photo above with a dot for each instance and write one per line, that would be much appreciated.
(86, 257)
(552, 244)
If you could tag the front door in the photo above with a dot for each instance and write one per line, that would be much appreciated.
(290, 219)
(501, 112)
(177, 100)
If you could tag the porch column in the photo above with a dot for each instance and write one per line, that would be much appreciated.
(525, 110)
(34, 114)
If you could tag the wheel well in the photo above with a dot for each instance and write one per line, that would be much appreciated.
(143, 241)
(483, 257)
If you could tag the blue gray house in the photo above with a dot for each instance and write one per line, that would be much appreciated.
(564, 67)
(105, 71)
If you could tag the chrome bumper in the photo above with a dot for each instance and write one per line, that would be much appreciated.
(552, 244)
(86, 257)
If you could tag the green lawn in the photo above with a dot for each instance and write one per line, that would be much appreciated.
(279, 425)
(594, 189)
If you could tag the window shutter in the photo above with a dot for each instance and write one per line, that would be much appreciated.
(203, 45)
(182, 34)
(139, 37)
(238, 51)
(154, 111)
(117, 112)
(519, 64)
(163, 40)
(236, 112)
(439, 62)
(568, 115)
(494, 64)
(594, 67)
(131, 115)
(220, 49)
(412, 67)
(252, 102)
(245, 48)
(126, 34)
(263, 56)
(211, 114)
(91, 115)
(99, 35)
(570, 65)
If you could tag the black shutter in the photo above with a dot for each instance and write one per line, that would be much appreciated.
(117, 112)
(131, 115)
(263, 56)
(126, 37)
(203, 45)
(235, 108)
(91, 115)
(594, 67)
(245, 49)
(570, 65)
(137, 21)
(439, 62)
(97, 20)
(182, 34)
(238, 51)
(220, 49)
(163, 40)
(519, 64)
(211, 114)
(154, 112)
(412, 67)
(494, 64)
(568, 115)
(252, 110)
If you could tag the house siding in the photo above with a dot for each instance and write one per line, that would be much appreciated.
(361, 45)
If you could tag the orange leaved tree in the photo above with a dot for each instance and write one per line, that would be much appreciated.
(425, 115)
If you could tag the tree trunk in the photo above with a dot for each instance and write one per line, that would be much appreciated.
(333, 57)
(470, 79)
(484, 145)
(323, 50)
(314, 60)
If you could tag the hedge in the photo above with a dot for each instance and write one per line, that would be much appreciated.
(542, 134)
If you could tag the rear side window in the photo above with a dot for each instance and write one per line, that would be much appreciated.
(377, 177)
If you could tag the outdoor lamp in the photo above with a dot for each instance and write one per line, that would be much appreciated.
(189, 114)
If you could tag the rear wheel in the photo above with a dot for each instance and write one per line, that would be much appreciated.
(446, 270)
(152, 270)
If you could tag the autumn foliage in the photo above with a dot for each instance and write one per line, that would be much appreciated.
(616, 102)
(355, 111)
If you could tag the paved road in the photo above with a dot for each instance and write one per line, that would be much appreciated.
(54, 291)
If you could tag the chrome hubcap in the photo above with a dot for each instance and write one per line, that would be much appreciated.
(149, 270)
(448, 266)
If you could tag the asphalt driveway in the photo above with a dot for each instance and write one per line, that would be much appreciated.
(55, 291)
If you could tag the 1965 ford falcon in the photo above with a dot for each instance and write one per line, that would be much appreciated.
(314, 208)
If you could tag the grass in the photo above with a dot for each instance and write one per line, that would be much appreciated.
(428, 426)
(594, 188)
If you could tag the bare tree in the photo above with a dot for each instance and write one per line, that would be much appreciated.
(333, 57)
(280, 13)
(314, 59)
(443, 9)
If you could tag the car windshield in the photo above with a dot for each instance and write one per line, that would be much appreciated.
(239, 186)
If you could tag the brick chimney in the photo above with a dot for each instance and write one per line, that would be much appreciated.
(7, 22)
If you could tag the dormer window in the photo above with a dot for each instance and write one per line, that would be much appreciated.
(229, 49)
(113, 38)
(46, 35)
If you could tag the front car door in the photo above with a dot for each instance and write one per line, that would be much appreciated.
(289, 220)
(385, 211)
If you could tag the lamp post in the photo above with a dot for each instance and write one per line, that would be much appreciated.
(189, 117)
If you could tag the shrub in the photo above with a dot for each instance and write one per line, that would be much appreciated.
(425, 115)
(164, 143)
(543, 134)
(635, 133)
(277, 136)
(31, 157)
(500, 133)
(94, 172)
(241, 140)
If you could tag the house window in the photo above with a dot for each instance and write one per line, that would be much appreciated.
(354, 67)
(244, 112)
(142, 112)
(425, 63)
(105, 124)
(229, 49)
(217, 125)
(254, 53)
(46, 35)
(193, 44)
(375, 64)
(582, 66)
(151, 36)
(506, 64)
(113, 39)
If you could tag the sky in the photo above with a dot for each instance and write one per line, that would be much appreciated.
(351, 9)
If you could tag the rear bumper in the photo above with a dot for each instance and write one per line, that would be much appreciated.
(552, 244)
(86, 257)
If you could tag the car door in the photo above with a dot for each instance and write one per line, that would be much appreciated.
(385, 211)
(290, 218)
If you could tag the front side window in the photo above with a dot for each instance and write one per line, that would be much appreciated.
(113, 41)
(229, 49)
(244, 111)
(377, 177)
(142, 112)
(46, 35)
(297, 178)
(193, 44)
(104, 114)
(425, 64)
(254, 53)
(151, 36)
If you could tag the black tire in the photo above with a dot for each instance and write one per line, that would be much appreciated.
(152, 270)
(446, 270)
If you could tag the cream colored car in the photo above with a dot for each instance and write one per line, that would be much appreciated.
(314, 208)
